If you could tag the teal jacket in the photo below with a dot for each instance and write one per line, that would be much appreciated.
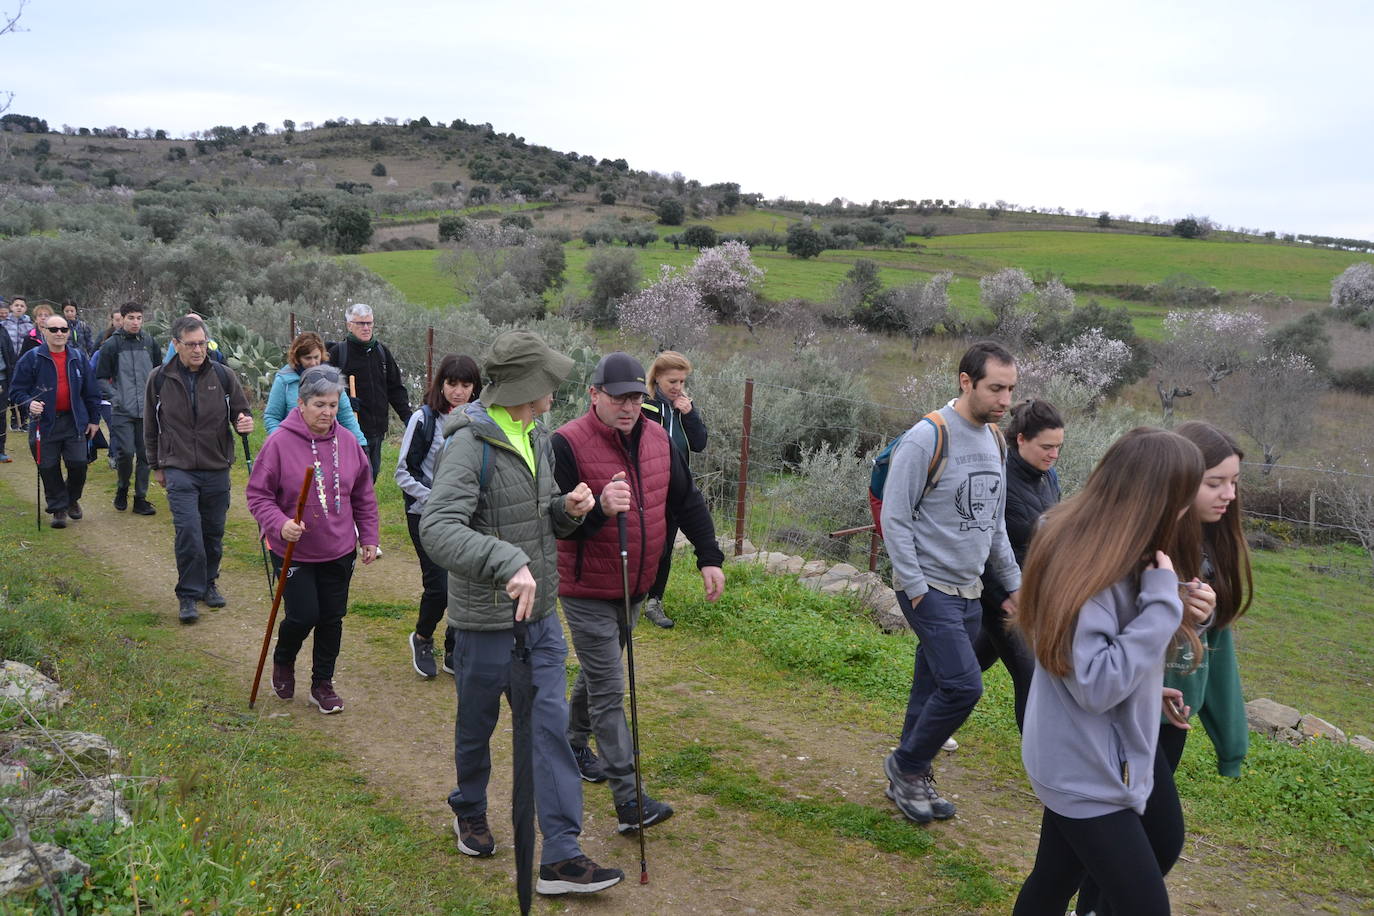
(286, 387)
(1212, 689)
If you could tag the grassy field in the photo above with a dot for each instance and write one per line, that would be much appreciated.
(1299, 272)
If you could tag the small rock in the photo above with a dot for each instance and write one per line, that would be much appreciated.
(85, 749)
(868, 583)
(1267, 717)
(793, 565)
(1363, 743)
(12, 774)
(775, 563)
(1314, 727)
(812, 568)
(19, 874)
(39, 692)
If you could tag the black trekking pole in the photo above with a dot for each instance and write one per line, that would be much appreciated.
(38, 478)
(262, 544)
(634, 705)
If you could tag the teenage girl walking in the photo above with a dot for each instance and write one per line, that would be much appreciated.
(1099, 607)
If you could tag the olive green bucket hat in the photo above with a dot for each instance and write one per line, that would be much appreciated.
(522, 368)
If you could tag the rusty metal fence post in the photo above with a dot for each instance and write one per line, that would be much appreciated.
(429, 356)
(293, 325)
(743, 464)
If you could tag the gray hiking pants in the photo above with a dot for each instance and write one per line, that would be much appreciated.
(126, 434)
(598, 695)
(199, 501)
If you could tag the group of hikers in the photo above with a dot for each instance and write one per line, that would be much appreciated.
(1111, 610)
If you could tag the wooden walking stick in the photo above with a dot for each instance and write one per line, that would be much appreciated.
(281, 585)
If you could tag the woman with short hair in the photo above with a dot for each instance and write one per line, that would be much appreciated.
(671, 408)
(340, 514)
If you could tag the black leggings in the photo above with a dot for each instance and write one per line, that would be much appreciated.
(434, 597)
(665, 563)
(1171, 741)
(1126, 854)
(997, 640)
(316, 598)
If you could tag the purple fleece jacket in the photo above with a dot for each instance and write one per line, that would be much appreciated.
(276, 483)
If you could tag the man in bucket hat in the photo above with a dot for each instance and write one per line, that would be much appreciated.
(492, 515)
(632, 464)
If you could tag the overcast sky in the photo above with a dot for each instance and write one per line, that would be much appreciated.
(1259, 114)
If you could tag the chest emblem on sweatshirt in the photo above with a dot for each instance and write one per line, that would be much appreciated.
(976, 500)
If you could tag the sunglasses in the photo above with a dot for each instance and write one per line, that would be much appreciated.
(62, 330)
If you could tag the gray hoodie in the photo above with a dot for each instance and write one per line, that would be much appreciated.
(1090, 737)
(960, 526)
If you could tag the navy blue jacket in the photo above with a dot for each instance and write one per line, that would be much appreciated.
(35, 378)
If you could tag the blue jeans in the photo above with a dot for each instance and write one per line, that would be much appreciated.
(947, 682)
(481, 673)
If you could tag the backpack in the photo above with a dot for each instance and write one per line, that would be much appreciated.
(939, 457)
(160, 376)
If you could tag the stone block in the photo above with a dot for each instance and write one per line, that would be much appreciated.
(1313, 727)
(32, 687)
(813, 568)
(1363, 743)
(20, 874)
(1267, 717)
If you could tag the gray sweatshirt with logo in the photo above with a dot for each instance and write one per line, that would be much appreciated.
(1090, 737)
(960, 526)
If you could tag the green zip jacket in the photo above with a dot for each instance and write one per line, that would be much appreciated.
(1213, 692)
(483, 533)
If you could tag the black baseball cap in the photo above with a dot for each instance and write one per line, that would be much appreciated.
(619, 374)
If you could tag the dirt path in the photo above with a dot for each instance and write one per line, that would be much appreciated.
(804, 742)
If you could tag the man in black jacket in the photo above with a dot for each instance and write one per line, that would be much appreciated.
(8, 357)
(373, 379)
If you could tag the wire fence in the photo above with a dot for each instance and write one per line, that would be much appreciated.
(786, 467)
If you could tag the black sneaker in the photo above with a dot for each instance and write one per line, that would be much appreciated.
(59, 520)
(186, 610)
(915, 794)
(324, 698)
(474, 836)
(143, 507)
(447, 666)
(284, 680)
(74, 511)
(653, 609)
(121, 500)
(213, 597)
(655, 812)
(578, 875)
(589, 765)
(422, 655)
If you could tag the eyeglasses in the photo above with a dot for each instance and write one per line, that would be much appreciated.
(623, 400)
(362, 324)
(194, 344)
(62, 330)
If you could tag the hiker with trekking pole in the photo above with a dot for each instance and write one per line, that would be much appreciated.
(630, 462)
(192, 407)
(339, 524)
(491, 518)
(59, 394)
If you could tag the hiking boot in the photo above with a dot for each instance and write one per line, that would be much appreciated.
(186, 610)
(588, 764)
(474, 836)
(915, 794)
(213, 597)
(447, 667)
(74, 511)
(59, 520)
(121, 500)
(323, 697)
(655, 812)
(422, 655)
(950, 745)
(284, 680)
(143, 507)
(653, 609)
(578, 875)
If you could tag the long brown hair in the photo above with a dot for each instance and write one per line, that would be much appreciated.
(1128, 509)
(1223, 540)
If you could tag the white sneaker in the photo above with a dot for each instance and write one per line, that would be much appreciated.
(950, 745)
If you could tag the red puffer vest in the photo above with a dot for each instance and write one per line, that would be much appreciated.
(591, 568)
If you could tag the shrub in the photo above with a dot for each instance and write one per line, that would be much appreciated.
(379, 170)
(1359, 379)
(453, 228)
(350, 226)
(164, 222)
(1352, 291)
(518, 220)
(608, 198)
(614, 273)
(671, 212)
(1306, 336)
(804, 242)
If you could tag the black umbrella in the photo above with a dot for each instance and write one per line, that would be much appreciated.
(522, 781)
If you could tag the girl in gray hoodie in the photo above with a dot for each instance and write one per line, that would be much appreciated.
(1099, 606)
